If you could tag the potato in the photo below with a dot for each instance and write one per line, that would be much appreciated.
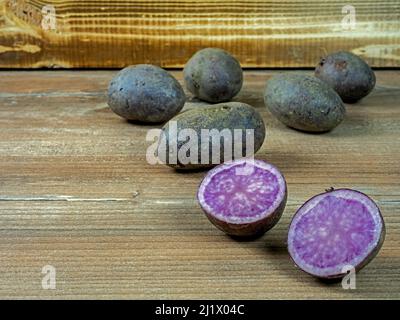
(243, 205)
(145, 93)
(334, 230)
(213, 75)
(212, 127)
(347, 74)
(303, 102)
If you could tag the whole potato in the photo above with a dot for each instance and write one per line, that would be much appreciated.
(217, 120)
(213, 75)
(348, 74)
(303, 102)
(145, 93)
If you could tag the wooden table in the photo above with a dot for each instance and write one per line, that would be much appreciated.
(76, 193)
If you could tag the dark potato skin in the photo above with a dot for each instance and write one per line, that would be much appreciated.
(303, 102)
(229, 115)
(367, 260)
(213, 75)
(348, 74)
(253, 229)
(145, 93)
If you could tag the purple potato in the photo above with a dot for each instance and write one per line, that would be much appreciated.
(244, 197)
(145, 93)
(303, 102)
(213, 75)
(228, 117)
(334, 230)
(348, 74)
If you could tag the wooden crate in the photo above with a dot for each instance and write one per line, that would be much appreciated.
(271, 33)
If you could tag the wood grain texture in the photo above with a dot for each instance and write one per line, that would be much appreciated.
(272, 33)
(77, 193)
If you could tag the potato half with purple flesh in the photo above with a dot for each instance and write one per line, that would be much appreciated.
(243, 197)
(334, 231)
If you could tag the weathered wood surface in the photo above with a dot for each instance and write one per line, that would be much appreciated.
(271, 33)
(76, 193)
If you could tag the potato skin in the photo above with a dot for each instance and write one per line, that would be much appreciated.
(349, 75)
(145, 93)
(303, 102)
(213, 75)
(230, 115)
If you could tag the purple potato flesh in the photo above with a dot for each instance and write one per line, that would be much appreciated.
(244, 197)
(335, 230)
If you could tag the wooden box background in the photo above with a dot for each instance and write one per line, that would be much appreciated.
(273, 33)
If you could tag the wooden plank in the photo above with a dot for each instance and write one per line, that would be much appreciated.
(76, 193)
(272, 33)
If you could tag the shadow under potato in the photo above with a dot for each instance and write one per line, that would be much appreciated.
(331, 281)
(353, 124)
(142, 123)
(246, 238)
(315, 133)
(192, 170)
